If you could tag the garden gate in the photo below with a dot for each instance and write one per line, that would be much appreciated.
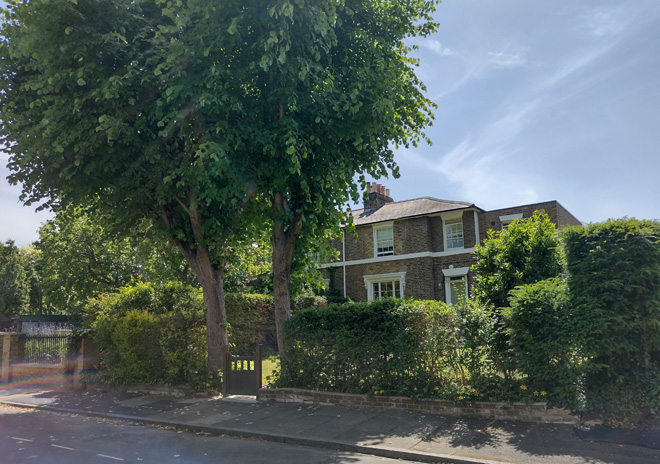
(243, 374)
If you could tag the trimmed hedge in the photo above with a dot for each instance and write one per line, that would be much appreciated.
(414, 348)
(542, 342)
(614, 281)
(152, 333)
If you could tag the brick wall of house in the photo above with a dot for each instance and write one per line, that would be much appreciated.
(564, 218)
(412, 236)
(556, 213)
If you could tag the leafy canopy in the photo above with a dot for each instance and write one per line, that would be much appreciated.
(526, 252)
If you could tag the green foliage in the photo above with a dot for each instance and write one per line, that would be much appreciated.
(251, 321)
(214, 119)
(14, 280)
(526, 252)
(81, 256)
(542, 342)
(418, 348)
(308, 300)
(614, 281)
(135, 337)
(157, 333)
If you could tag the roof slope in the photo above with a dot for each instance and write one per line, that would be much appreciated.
(406, 209)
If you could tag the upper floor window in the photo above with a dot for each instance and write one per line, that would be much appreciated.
(384, 240)
(454, 233)
(509, 218)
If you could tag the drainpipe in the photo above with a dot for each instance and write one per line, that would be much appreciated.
(476, 228)
(343, 257)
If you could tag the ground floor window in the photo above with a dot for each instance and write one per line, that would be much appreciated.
(389, 285)
(387, 290)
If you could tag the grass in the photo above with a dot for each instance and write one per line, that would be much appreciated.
(269, 364)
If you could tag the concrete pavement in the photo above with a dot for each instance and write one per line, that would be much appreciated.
(400, 434)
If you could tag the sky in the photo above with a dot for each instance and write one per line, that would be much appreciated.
(537, 101)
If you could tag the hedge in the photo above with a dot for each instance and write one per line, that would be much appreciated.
(157, 334)
(414, 348)
(614, 282)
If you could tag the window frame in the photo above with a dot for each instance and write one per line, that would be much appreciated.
(508, 219)
(389, 226)
(450, 218)
(391, 277)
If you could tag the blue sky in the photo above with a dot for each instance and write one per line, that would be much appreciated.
(537, 101)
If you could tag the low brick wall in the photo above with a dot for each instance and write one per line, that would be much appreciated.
(532, 412)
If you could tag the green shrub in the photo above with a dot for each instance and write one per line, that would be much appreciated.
(135, 337)
(157, 333)
(526, 252)
(416, 348)
(542, 342)
(251, 322)
(614, 282)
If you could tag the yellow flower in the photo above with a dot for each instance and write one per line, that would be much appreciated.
(473, 390)
(375, 392)
(543, 393)
(523, 387)
(536, 393)
(437, 388)
(381, 392)
(460, 397)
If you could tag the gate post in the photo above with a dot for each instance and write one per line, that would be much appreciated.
(11, 350)
(257, 366)
(226, 374)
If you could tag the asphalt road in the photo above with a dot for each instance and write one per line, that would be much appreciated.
(41, 437)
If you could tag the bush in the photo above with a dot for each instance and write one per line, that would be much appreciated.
(526, 252)
(614, 282)
(251, 322)
(416, 348)
(157, 333)
(542, 342)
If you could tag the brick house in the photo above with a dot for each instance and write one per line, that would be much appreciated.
(420, 248)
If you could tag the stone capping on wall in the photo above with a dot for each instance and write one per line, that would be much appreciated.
(527, 412)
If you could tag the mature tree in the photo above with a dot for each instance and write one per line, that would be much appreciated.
(81, 255)
(197, 114)
(329, 89)
(14, 281)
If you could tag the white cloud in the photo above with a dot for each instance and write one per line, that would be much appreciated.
(506, 60)
(437, 47)
(606, 22)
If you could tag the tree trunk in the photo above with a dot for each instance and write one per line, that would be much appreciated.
(212, 281)
(284, 243)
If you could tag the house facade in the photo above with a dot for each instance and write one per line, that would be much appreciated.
(420, 248)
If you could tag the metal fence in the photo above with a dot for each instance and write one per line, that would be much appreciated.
(44, 349)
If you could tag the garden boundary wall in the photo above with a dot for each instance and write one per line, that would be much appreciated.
(527, 412)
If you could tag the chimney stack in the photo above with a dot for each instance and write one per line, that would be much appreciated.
(376, 196)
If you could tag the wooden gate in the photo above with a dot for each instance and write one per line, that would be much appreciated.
(243, 374)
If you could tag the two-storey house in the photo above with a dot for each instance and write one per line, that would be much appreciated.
(420, 248)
